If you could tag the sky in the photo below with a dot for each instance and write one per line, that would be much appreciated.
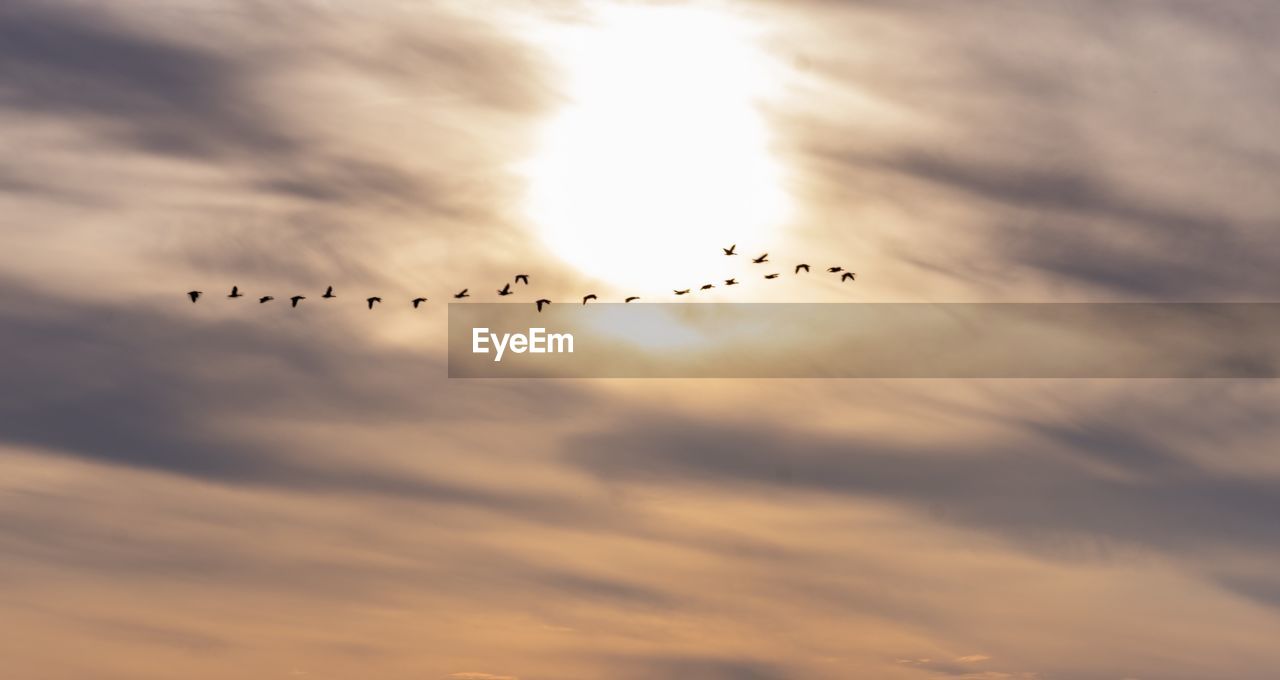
(231, 490)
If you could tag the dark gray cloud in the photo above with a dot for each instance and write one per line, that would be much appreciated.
(614, 591)
(346, 181)
(14, 183)
(658, 667)
(132, 386)
(1091, 143)
(160, 94)
(1103, 480)
(173, 94)
(961, 668)
(1068, 221)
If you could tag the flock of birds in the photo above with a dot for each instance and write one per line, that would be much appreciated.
(523, 279)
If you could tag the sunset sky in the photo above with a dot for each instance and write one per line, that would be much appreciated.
(240, 490)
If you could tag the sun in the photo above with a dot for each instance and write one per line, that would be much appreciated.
(661, 155)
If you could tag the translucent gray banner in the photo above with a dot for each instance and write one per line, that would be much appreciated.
(965, 340)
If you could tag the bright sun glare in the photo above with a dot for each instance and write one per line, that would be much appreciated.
(660, 156)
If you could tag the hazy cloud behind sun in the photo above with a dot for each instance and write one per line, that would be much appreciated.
(661, 153)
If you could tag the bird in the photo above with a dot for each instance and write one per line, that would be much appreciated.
(682, 292)
(834, 270)
(372, 300)
(328, 293)
(730, 250)
(730, 282)
(194, 295)
(522, 278)
(505, 290)
(235, 292)
(265, 298)
(760, 260)
(417, 301)
(802, 266)
(461, 294)
(771, 276)
(296, 299)
(633, 298)
(585, 299)
(707, 286)
(542, 302)
(849, 276)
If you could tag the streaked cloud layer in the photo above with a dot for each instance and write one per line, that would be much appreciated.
(226, 490)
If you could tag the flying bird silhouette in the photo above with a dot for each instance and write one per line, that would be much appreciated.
(194, 295)
(524, 279)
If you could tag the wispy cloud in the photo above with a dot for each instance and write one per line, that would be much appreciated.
(231, 490)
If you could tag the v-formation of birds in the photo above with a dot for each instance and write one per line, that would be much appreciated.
(523, 279)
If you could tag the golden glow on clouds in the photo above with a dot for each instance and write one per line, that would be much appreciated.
(223, 491)
(660, 155)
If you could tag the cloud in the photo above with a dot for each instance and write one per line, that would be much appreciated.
(153, 88)
(232, 491)
(964, 667)
(1108, 477)
(160, 94)
(1081, 145)
(135, 387)
(1161, 255)
(711, 668)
